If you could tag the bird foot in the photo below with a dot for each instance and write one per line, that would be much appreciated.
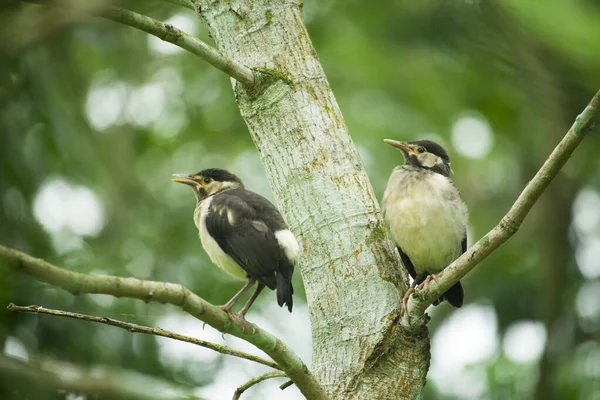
(425, 284)
(241, 316)
(227, 309)
(404, 309)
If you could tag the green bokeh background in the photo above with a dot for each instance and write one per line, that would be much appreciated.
(90, 104)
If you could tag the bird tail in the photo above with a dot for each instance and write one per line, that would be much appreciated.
(285, 290)
(454, 295)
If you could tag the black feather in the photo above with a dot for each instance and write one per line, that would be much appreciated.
(219, 175)
(407, 263)
(250, 241)
(434, 148)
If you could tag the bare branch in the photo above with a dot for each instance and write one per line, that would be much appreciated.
(112, 383)
(286, 384)
(171, 293)
(511, 222)
(254, 381)
(144, 329)
(171, 34)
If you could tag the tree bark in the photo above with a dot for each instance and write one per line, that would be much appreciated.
(352, 276)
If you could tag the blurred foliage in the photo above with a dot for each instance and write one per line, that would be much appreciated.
(87, 104)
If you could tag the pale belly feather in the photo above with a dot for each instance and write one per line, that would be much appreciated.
(212, 248)
(429, 220)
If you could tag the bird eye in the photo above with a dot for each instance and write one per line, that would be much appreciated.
(207, 180)
(421, 149)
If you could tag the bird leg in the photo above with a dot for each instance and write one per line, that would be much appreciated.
(410, 291)
(230, 303)
(259, 289)
(425, 284)
(404, 309)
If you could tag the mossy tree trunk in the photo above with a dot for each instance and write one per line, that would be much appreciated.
(352, 275)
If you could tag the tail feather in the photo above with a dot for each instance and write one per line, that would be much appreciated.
(285, 290)
(455, 295)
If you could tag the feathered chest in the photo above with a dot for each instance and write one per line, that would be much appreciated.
(426, 217)
(212, 248)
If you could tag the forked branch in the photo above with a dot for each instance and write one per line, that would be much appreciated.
(171, 34)
(256, 380)
(135, 328)
(171, 293)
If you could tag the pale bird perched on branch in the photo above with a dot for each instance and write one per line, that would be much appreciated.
(425, 215)
(243, 234)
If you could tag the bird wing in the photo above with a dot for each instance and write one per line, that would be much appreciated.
(234, 225)
(407, 263)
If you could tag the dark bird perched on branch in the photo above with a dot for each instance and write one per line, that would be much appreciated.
(243, 234)
(425, 215)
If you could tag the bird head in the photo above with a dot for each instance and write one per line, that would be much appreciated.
(424, 154)
(209, 182)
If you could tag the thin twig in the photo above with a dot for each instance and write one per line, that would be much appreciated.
(171, 34)
(164, 292)
(254, 381)
(286, 384)
(511, 222)
(144, 329)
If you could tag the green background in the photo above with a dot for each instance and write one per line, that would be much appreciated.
(95, 116)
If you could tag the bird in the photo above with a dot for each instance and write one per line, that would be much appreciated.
(425, 215)
(244, 234)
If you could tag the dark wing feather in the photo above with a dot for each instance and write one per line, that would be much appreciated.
(250, 242)
(455, 295)
(407, 263)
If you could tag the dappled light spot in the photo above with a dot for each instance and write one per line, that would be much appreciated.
(587, 255)
(174, 353)
(587, 360)
(13, 347)
(586, 212)
(145, 104)
(172, 120)
(468, 337)
(587, 305)
(185, 22)
(139, 258)
(103, 300)
(59, 205)
(472, 135)
(524, 341)
(105, 102)
(65, 241)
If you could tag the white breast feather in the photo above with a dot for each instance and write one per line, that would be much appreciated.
(212, 248)
(288, 242)
(426, 217)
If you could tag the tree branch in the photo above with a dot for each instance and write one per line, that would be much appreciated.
(171, 293)
(31, 377)
(171, 34)
(144, 329)
(254, 381)
(511, 222)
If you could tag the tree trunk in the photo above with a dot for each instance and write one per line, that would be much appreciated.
(352, 276)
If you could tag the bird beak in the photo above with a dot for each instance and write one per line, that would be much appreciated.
(405, 147)
(184, 178)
